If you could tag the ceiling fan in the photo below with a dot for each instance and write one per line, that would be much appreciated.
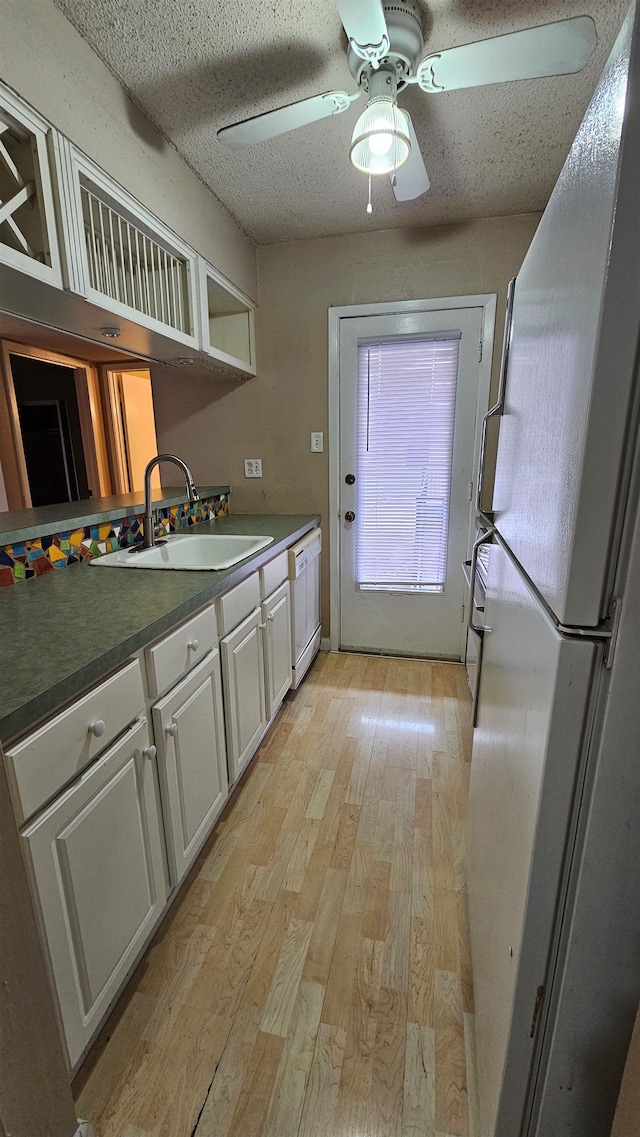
(386, 54)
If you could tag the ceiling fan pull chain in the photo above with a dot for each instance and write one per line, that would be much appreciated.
(369, 205)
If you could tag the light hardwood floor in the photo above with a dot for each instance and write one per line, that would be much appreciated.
(314, 979)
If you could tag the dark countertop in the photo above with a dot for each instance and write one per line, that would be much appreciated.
(63, 632)
(25, 524)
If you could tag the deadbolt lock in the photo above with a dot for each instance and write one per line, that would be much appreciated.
(349, 515)
(350, 479)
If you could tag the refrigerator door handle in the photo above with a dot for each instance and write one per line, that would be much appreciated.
(498, 408)
(483, 539)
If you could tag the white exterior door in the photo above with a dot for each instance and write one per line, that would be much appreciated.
(408, 404)
(189, 728)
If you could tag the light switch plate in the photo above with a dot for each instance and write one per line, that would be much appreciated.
(253, 467)
(317, 442)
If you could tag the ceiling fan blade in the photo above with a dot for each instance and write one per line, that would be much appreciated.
(411, 179)
(560, 48)
(366, 28)
(280, 121)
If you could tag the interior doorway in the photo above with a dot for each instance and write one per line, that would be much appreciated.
(131, 427)
(51, 431)
(52, 438)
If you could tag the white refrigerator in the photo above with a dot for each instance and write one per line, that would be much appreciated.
(554, 814)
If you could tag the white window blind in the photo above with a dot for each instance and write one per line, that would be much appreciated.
(404, 448)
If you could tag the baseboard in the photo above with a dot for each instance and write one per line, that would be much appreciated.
(325, 644)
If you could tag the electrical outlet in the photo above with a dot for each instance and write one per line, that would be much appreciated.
(317, 442)
(253, 467)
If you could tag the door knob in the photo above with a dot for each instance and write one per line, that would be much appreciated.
(350, 479)
(349, 515)
(149, 752)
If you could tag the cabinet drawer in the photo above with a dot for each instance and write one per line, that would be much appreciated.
(54, 755)
(273, 574)
(238, 602)
(174, 655)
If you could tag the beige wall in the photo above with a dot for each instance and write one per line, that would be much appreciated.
(214, 425)
(47, 62)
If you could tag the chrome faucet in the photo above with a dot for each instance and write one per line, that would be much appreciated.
(149, 529)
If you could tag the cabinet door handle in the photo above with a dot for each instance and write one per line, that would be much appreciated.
(262, 625)
(97, 728)
(194, 645)
(172, 729)
(149, 752)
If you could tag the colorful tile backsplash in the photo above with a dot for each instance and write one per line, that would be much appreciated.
(45, 554)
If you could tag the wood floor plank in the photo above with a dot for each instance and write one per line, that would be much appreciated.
(323, 1083)
(286, 980)
(419, 1112)
(314, 976)
(295, 1065)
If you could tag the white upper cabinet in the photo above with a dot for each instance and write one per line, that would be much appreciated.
(119, 256)
(28, 239)
(228, 321)
(169, 303)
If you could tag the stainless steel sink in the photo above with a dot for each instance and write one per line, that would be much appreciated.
(193, 552)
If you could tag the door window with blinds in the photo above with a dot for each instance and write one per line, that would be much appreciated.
(406, 399)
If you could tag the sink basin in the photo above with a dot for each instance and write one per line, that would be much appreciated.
(193, 552)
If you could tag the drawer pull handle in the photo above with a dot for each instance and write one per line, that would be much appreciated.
(172, 729)
(149, 752)
(97, 728)
(271, 618)
(194, 644)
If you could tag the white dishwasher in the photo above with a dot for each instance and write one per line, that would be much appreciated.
(304, 574)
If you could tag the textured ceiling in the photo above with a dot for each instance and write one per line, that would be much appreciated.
(202, 64)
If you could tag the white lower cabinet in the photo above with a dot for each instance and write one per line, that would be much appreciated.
(276, 617)
(98, 864)
(98, 850)
(189, 731)
(243, 675)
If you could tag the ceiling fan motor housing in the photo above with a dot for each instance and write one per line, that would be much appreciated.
(406, 44)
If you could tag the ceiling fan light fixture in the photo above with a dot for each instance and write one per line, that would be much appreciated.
(380, 142)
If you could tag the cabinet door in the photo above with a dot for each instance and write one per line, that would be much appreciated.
(98, 862)
(189, 730)
(276, 613)
(244, 691)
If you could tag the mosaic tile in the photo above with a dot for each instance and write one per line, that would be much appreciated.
(42, 566)
(24, 561)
